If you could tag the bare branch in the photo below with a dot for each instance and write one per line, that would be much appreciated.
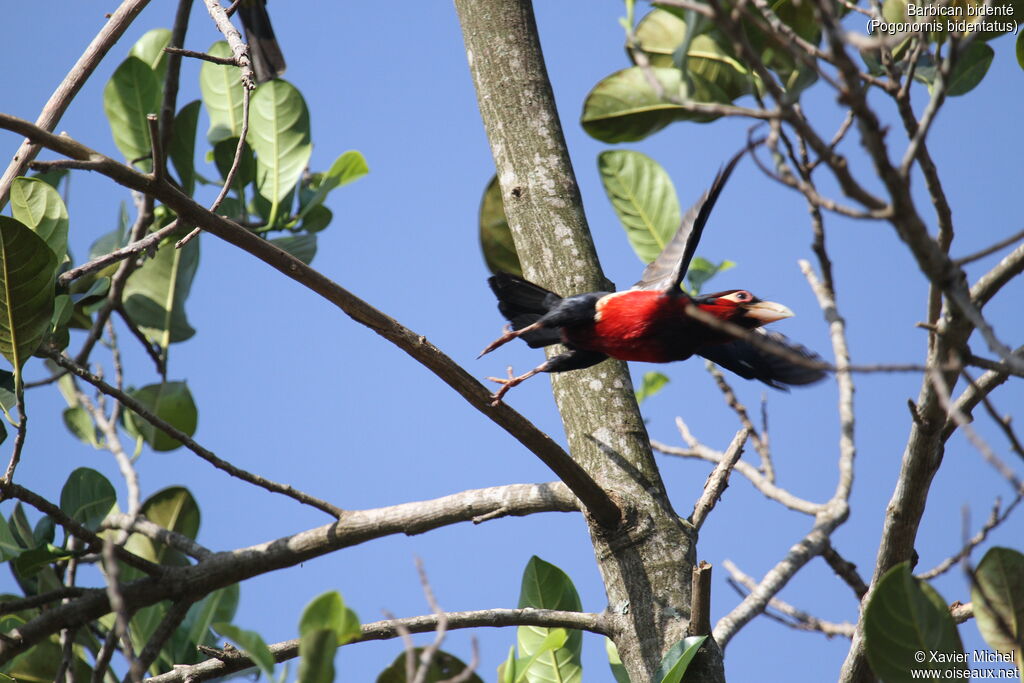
(238, 47)
(155, 532)
(801, 620)
(718, 480)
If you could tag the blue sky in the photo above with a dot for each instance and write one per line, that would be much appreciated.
(290, 388)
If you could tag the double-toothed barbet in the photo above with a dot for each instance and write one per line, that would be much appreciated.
(650, 322)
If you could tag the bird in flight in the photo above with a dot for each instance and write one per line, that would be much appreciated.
(654, 320)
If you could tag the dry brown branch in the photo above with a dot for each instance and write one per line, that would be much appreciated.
(238, 47)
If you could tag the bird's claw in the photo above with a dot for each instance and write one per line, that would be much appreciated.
(506, 384)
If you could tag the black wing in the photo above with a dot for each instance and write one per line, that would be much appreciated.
(523, 303)
(267, 60)
(751, 362)
(666, 272)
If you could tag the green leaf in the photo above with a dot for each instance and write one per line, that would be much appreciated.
(183, 145)
(27, 269)
(624, 107)
(970, 68)
(546, 586)
(325, 624)
(222, 95)
(677, 660)
(8, 399)
(9, 547)
(115, 239)
(217, 607)
(132, 93)
(87, 497)
(172, 508)
(80, 425)
(618, 670)
(154, 296)
(1020, 49)
(998, 597)
(348, 167)
(904, 618)
(317, 219)
(301, 246)
(224, 157)
(53, 177)
(443, 667)
(150, 49)
(36, 204)
(251, 643)
(657, 35)
(644, 199)
(495, 236)
(31, 561)
(701, 270)
(279, 135)
(171, 402)
(553, 641)
(652, 383)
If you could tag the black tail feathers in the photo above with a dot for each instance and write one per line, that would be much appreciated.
(524, 303)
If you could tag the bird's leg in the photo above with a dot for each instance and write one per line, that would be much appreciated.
(573, 359)
(509, 335)
(511, 381)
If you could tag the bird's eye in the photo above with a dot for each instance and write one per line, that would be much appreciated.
(742, 296)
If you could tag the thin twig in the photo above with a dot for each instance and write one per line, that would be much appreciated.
(189, 443)
(718, 480)
(225, 61)
(238, 47)
(978, 255)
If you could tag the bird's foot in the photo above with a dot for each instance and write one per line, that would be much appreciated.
(509, 335)
(506, 384)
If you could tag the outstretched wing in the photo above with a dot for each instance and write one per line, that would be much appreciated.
(666, 272)
(751, 362)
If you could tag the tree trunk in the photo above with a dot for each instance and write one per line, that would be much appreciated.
(645, 562)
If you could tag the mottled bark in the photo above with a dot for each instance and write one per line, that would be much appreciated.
(646, 562)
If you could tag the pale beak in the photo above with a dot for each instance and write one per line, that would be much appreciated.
(767, 312)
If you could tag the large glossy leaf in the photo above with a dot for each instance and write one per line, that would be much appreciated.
(279, 135)
(183, 145)
(970, 69)
(224, 158)
(173, 508)
(150, 49)
(252, 644)
(546, 586)
(443, 667)
(495, 236)
(615, 662)
(677, 660)
(87, 497)
(624, 107)
(171, 402)
(325, 624)
(80, 424)
(301, 246)
(39, 206)
(643, 197)
(154, 296)
(27, 269)
(221, 87)
(906, 617)
(658, 34)
(998, 598)
(132, 93)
